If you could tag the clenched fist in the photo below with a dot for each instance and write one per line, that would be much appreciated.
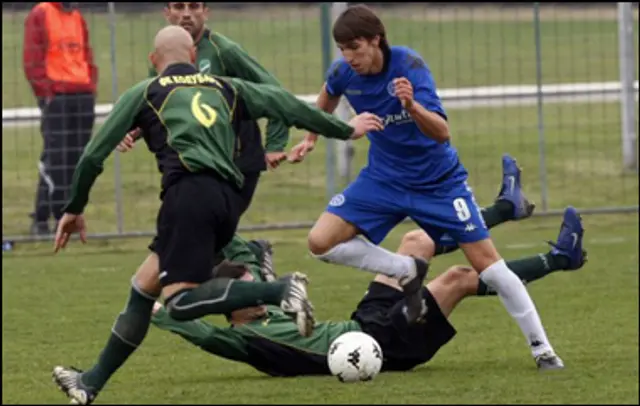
(404, 92)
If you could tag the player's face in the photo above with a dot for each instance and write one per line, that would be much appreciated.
(190, 16)
(360, 54)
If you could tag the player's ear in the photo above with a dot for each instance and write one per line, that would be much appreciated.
(376, 41)
(205, 12)
(152, 59)
(192, 54)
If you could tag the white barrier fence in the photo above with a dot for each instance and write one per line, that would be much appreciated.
(459, 98)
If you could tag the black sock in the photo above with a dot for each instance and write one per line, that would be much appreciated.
(222, 296)
(530, 269)
(127, 334)
(500, 212)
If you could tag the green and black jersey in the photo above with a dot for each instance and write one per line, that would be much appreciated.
(220, 56)
(272, 344)
(189, 121)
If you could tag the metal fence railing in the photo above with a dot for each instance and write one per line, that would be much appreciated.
(555, 86)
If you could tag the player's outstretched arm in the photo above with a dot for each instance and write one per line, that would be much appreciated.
(275, 102)
(90, 166)
(223, 342)
(324, 102)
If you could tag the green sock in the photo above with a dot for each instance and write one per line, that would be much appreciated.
(127, 334)
(530, 269)
(222, 296)
(500, 212)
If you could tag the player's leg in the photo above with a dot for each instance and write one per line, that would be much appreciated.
(196, 219)
(562, 257)
(127, 334)
(459, 215)
(199, 332)
(567, 254)
(406, 345)
(371, 208)
(511, 204)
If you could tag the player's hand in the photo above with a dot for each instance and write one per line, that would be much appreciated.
(274, 159)
(69, 224)
(129, 141)
(404, 92)
(298, 153)
(363, 123)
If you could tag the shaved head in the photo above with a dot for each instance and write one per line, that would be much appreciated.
(172, 44)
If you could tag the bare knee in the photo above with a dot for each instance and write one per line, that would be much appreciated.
(418, 244)
(329, 231)
(461, 277)
(481, 254)
(146, 278)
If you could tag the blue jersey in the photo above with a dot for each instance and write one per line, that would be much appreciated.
(400, 153)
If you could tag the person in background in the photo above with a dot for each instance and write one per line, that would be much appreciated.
(58, 63)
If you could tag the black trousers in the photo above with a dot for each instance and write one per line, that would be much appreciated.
(66, 125)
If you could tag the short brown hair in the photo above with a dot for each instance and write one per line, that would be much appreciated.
(359, 21)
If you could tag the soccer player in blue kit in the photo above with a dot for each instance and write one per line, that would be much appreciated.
(413, 171)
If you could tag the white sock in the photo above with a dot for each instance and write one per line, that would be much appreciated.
(362, 254)
(516, 299)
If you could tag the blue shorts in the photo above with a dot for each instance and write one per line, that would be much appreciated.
(376, 207)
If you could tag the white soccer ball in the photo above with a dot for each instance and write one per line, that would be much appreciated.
(354, 356)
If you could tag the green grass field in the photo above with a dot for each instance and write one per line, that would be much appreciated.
(463, 48)
(59, 310)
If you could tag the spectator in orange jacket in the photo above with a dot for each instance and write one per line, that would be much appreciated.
(58, 63)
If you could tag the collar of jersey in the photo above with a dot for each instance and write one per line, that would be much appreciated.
(205, 36)
(180, 68)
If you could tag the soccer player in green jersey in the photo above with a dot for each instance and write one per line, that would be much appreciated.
(189, 121)
(219, 55)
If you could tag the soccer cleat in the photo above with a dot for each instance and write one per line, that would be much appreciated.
(411, 285)
(548, 361)
(296, 303)
(511, 189)
(266, 259)
(68, 380)
(569, 242)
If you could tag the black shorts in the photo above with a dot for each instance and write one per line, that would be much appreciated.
(198, 217)
(403, 346)
(248, 189)
(246, 195)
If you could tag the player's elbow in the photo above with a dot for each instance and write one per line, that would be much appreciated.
(441, 131)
